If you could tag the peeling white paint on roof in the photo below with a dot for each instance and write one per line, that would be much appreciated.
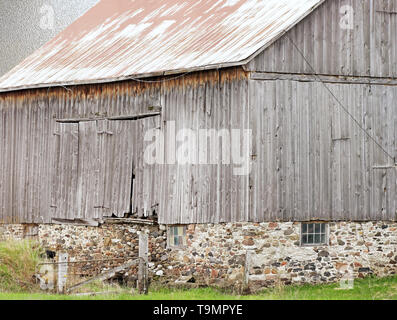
(230, 3)
(120, 39)
(133, 30)
(161, 28)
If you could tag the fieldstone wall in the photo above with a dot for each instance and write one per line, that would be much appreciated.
(229, 255)
(219, 254)
(105, 242)
(113, 243)
(14, 231)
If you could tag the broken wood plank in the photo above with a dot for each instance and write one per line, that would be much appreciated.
(384, 167)
(129, 221)
(106, 275)
(82, 261)
(76, 222)
(269, 76)
(115, 118)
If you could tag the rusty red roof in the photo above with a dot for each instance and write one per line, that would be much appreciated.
(122, 39)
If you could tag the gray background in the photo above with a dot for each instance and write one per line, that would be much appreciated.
(20, 32)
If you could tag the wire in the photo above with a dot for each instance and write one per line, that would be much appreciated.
(134, 79)
(341, 104)
(59, 86)
(67, 89)
(161, 81)
(315, 74)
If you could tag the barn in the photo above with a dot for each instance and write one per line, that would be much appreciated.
(255, 140)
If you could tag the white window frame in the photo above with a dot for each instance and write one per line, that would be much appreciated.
(319, 244)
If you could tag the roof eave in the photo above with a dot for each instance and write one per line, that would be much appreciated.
(136, 77)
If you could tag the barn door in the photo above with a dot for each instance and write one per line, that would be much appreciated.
(99, 170)
(117, 153)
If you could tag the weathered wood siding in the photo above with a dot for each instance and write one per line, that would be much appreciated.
(309, 160)
(34, 186)
(370, 49)
(194, 193)
(25, 158)
(93, 168)
(312, 161)
(147, 182)
(64, 171)
(57, 164)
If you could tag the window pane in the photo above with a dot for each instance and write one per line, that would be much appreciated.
(313, 233)
(177, 236)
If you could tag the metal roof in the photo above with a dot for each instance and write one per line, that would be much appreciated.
(122, 39)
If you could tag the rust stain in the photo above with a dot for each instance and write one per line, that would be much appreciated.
(120, 39)
(130, 88)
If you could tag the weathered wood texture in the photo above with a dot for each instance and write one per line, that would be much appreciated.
(83, 169)
(146, 193)
(192, 192)
(143, 276)
(369, 49)
(52, 170)
(309, 160)
(312, 161)
(65, 171)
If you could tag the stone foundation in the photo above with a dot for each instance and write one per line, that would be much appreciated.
(18, 231)
(227, 255)
(218, 253)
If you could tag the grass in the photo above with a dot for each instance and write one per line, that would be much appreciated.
(370, 288)
(18, 262)
(364, 289)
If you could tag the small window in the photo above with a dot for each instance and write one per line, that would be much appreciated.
(177, 236)
(314, 234)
